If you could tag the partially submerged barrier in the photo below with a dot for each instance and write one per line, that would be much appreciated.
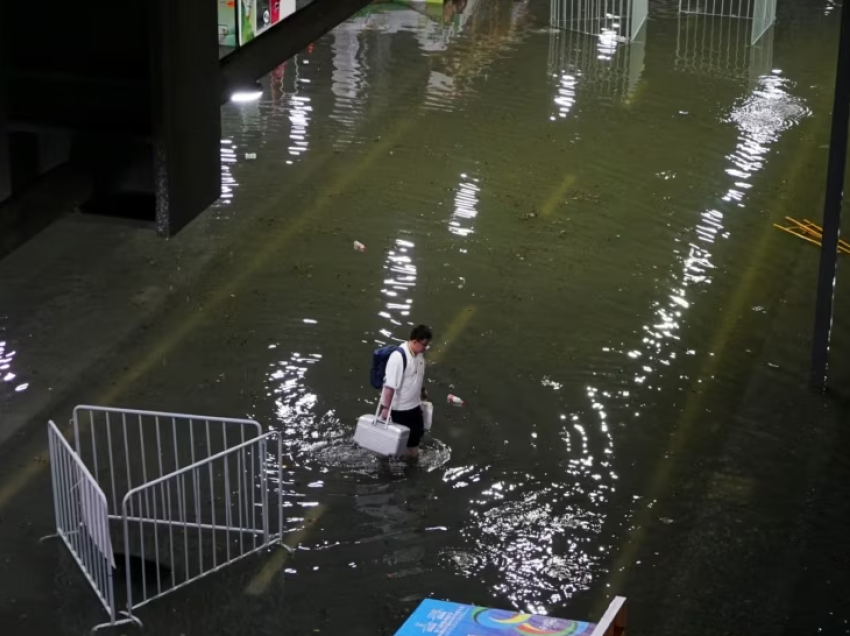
(183, 495)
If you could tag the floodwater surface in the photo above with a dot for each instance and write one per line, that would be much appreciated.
(586, 222)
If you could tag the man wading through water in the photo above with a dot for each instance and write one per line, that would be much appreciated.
(407, 380)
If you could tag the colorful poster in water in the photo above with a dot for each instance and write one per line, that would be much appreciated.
(442, 618)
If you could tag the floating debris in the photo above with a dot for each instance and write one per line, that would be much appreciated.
(455, 400)
(810, 232)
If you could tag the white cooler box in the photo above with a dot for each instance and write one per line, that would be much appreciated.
(378, 436)
(427, 414)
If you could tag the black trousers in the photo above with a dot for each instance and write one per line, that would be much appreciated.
(415, 421)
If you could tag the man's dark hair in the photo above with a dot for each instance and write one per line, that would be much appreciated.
(420, 333)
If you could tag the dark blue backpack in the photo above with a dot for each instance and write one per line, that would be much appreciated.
(379, 364)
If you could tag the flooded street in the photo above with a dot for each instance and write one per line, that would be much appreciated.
(587, 226)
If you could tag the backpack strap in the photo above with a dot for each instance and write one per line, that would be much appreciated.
(403, 353)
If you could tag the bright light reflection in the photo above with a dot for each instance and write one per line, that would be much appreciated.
(761, 118)
(9, 377)
(398, 284)
(300, 109)
(242, 97)
(541, 535)
(462, 220)
(228, 182)
(347, 79)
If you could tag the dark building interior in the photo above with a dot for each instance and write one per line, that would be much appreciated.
(120, 115)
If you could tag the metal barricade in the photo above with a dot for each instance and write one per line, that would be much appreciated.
(82, 517)
(186, 495)
(762, 13)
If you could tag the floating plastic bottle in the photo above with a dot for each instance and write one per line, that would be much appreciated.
(455, 400)
(359, 247)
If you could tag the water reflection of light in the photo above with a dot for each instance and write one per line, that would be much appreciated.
(565, 93)
(294, 402)
(540, 534)
(228, 182)
(300, 109)
(608, 40)
(7, 373)
(347, 78)
(465, 209)
(399, 281)
(761, 117)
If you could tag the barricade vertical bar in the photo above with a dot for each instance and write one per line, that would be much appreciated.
(228, 514)
(195, 490)
(142, 445)
(92, 428)
(253, 487)
(156, 544)
(141, 547)
(103, 539)
(174, 441)
(127, 455)
(264, 492)
(280, 486)
(159, 448)
(66, 495)
(185, 513)
(198, 520)
(76, 429)
(239, 490)
(247, 483)
(66, 491)
(55, 482)
(127, 563)
(73, 506)
(212, 498)
(146, 503)
(110, 580)
(111, 464)
(170, 526)
(181, 503)
(86, 533)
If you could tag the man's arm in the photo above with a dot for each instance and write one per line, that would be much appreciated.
(386, 401)
(392, 382)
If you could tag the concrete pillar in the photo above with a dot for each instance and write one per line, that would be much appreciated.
(5, 167)
(186, 114)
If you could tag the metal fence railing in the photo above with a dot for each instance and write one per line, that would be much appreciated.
(82, 518)
(182, 495)
(622, 19)
(723, 47)
(762, 13)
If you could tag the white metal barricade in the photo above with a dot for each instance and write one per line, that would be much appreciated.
(182, 495)
(762, 13)
(620, 20)
(723, 47)
(595, 48)
(82, 517)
